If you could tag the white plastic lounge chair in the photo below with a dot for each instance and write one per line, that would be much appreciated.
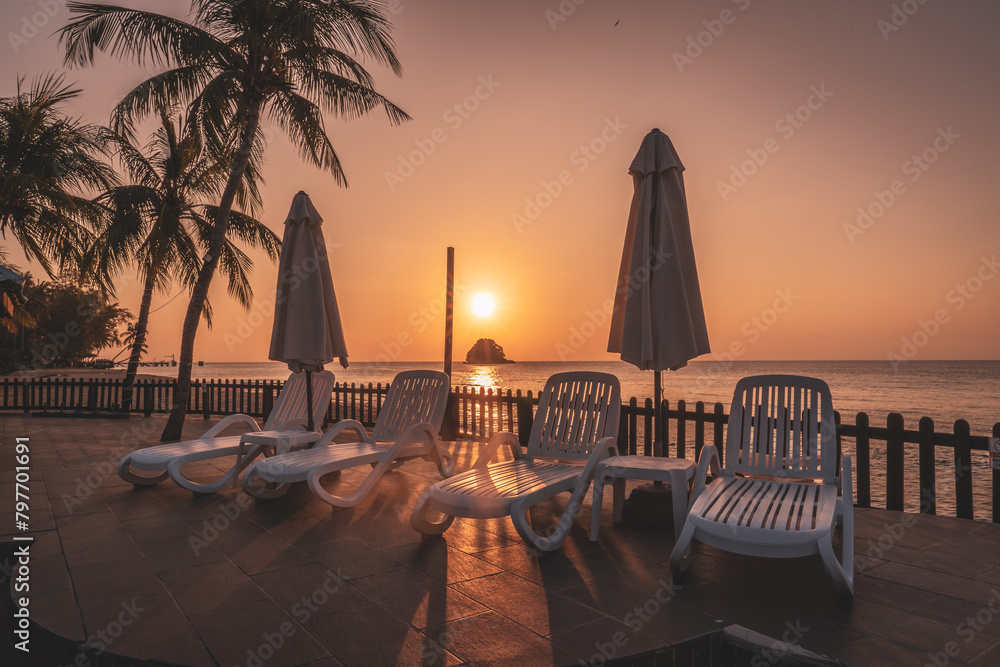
(574, 428)
(153, 464)
(780, 494)
(407, 427)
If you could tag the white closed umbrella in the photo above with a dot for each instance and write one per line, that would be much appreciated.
(658, 321)
(307, 332)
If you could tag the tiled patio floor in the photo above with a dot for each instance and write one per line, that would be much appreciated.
(224, 580)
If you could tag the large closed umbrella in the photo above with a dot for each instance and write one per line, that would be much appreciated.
(658, 321)
(307, 332)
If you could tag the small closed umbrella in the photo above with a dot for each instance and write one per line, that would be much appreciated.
(658, 321)
(307, 332)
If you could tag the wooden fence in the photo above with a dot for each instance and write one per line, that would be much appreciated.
(478, 413)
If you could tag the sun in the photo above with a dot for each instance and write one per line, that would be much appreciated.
(483, 304)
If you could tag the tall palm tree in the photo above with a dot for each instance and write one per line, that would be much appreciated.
(235, 61)
(160, 223)
(48, 163)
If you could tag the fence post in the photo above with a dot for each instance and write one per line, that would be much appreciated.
(996, 482)
(525, 417)
(963, 470)
(928, 497)
(27, 395)
(720, 422)
(681, 429)
(862, 466)
(894, 463)
(91, 395)
(147, 398)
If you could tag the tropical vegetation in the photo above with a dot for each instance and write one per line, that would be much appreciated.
(235, 65)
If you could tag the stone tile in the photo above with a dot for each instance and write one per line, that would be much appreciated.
(211, 587)
(873, 650)
(58, 612)
(891, 594)
(260, 553)
(303, 529)
(138, 507)
(605, 639)
(371, 635)
(111, 547)
(966, 617)
(140, 627)
(436, 559)
(987, 658)
(48, 574)
(657, 612)
(918, 632)
(87, 525)
(257, 631)
(179, 552)
(490, 639)
(114, 582)
(352, 558)
(154, 528)
(310, 590)
(418, 599)
(937, 582)
(526, 603)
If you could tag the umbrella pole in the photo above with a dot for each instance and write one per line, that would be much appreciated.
(309, 401)
(657, 415)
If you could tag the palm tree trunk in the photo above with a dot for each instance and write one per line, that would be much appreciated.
(140, 339)
(182, 392)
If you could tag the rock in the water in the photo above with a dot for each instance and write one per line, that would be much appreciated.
(486, 351)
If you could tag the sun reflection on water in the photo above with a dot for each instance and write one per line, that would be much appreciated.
(483, 376)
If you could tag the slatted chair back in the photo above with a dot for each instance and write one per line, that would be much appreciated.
(414, 397)
(291, 400)
(782, 426)
(575, 411)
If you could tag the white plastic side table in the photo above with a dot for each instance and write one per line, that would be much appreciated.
(281, 441)
(651, 468)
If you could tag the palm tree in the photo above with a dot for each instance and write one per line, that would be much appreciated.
(158, 223)
(48, 162)
(234, 62)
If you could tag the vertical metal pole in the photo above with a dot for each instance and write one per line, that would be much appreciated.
(657, 415)
(449, 317)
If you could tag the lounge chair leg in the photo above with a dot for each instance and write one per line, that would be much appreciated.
(420, 522)
(258, 488)
(833, 566)
(519, 515)
(125, 472)
(174, 470)
(680, 557)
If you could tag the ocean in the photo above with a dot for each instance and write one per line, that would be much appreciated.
(945, 391)
(942, 390)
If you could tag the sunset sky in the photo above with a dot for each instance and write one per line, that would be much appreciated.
(841, 175)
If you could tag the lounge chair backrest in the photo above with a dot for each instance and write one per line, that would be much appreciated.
(575, 411)
(414, 397)
(782, 425)
(291, 401)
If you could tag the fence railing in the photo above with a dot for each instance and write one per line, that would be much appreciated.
(477, 413)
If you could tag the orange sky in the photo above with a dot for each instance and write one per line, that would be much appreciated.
(789, 118)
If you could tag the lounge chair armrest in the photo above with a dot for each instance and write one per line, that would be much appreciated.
(605, 448)
(416, 432)
(490, 450)
(229, 421)
(340, 427)
(709, 459)
(290, 424)
(846, 480)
